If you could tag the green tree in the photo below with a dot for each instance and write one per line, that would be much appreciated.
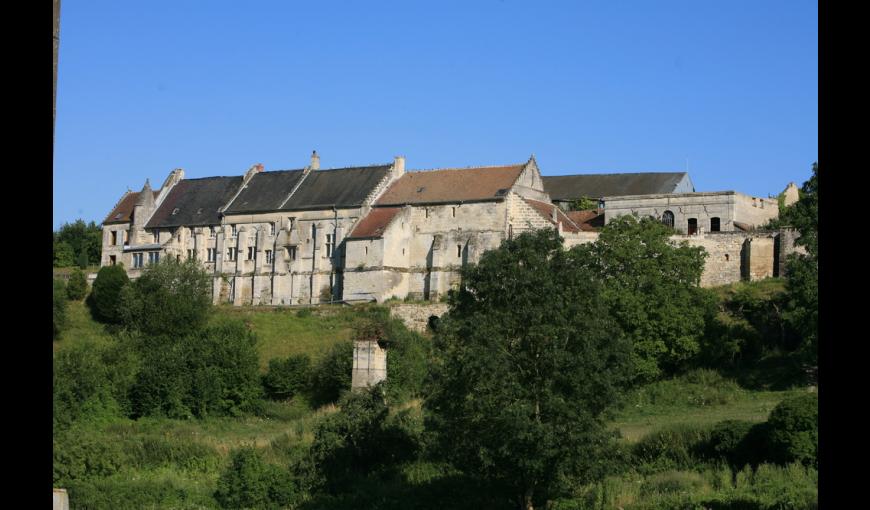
(77, 287)
(64, 255)
(287, 377)
(793, 430)
(652, 289)
(526, 361)
(169, 298)
(105, 297)
(332, 375)
(211, 372)
(85, 239)
(59, 307)
(802, 270)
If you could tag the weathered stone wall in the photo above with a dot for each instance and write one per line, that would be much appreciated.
(723, 264)
(760, 257)
(416, 317)
(701, 206)
(755, 211)
(369, 364)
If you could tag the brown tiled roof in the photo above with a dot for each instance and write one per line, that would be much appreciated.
(545, 209)
(589, 221)
(124, 209)
(452, 185)
(375, 222)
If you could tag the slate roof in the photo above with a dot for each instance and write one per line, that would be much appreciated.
(194, 202)
(266, 191)
(374, 223)
(452, 185)
(124, 208)
(546, 209)
(340, 187)
(573, 187)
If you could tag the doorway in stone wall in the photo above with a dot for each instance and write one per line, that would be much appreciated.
(693, 226)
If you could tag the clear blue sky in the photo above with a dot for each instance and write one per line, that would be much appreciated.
(588, 87)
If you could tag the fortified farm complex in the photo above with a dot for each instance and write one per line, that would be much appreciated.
(370, 233)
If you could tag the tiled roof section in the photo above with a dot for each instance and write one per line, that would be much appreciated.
(588, 221)
(266, 191)
(546, 210)
(452, 185)
(340, 187)
(194, 202)
(124, 209)
(573, 187)
(375, 222)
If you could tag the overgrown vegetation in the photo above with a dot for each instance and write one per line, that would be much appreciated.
(58, 299)
(105, 297)
(77, 243)
(77, 286)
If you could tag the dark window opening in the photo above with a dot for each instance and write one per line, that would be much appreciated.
(114, 238)
(668, 218)
(714, 224)
(693, 226)
(112, 261)
(727, 258)
(458, 250)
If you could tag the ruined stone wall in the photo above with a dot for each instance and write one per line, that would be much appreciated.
(754, 211)
(369, 364)
(416, 317)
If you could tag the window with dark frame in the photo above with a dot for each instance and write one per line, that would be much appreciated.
(714, 224)
(668, 218)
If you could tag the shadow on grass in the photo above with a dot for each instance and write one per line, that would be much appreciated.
(772, 373)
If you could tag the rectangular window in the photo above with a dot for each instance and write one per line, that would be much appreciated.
(211, 232)
(153, 257)
(189, 254)
(114, 238)
(291, 253)
(112, 260)
(458, 250)
(268, 256)
(137, 260)
(714, 224)
(231, 253)
(271, 229)
(250, 253)
(126, 237)
(426, 210)
(235, 233)
(330, 238)
(156, 235)
(212, 254)
(454, 212)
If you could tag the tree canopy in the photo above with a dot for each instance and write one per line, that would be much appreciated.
(651, 287)
(78, 243)
(526, 361)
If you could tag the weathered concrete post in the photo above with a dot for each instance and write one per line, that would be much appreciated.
(369, 364)
(60, 500)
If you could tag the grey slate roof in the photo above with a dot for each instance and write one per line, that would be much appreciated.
(573, 187)
(194, 202)
(266, 191)
(341, 187)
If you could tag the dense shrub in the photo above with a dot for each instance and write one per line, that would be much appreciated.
(696, 388)
(249, 482)
(287, 377)
(674, 447)
(58, 298)
(80, 454)
(332, 374)
(170, 298)
(105, 297)
(122, 490)
(672, 482)
(407, 361)
(793, 430)
(213, 372)
(359, 439)
(726, 440)
(92, 381)
(77, 287)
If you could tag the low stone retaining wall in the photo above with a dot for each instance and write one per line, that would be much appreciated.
(416, 317)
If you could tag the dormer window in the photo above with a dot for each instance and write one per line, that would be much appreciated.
(235, 233)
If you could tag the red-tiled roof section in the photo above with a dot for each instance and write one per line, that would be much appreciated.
(589, 221)
(375, 222)
(452, 185)
(546, 209)
(124, 210)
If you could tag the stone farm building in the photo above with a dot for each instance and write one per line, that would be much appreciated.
(370, 233)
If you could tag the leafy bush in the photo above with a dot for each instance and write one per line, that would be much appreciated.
(332, 375)
(80, 454)
(360, 439)
(249, 482)
(170, 298)
(105, 297)
(91, 381)
(58, 298)
(672, 482)
(213, 372)
(287, 377)
(674, 447)
(696, 388)
(407, 361)
(726, 438)
(793, 430)
(77, 287)
(156, 490)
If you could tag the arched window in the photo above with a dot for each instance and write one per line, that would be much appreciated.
(668, 218)
(714, 224)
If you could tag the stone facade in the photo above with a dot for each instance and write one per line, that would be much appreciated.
(372, 233)
(416, 317)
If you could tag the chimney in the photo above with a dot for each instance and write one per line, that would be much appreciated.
(399, 166)
(255, 169)
(555, 215)
(315, 160)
